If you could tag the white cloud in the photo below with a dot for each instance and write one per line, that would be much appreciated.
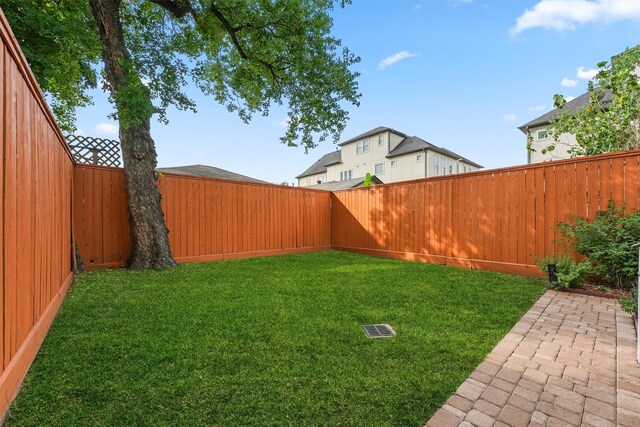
(510, 117)
(586, 74)
(537, 107)
(569, 98)
(569, 82)
(106, 128)
(282, 123)
(396, 57)
(562, 15)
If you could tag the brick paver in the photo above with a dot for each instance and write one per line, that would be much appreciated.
(569, 361)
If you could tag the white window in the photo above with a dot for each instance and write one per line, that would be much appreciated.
(362, 146)
(393, 163)
(450, 167)
(379, 169)
(419, 158)
(464, 168)
(542, 134)
(345, 175)
(380, 140)
(443, 165)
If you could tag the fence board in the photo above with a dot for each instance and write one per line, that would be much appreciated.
(631, 180)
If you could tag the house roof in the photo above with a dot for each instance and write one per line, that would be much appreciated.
(344, 185)
(413, 144)
(409, 145)
(370, 133)
(572, 106)
(208, 172)
(320, 166)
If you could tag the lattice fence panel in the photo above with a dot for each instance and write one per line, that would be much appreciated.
(94, 151)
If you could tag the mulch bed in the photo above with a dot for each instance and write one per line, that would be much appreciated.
(592, 290)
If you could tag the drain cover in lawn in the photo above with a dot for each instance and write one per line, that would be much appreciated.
(379, 331)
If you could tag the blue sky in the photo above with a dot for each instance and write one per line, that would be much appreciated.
(462, 74)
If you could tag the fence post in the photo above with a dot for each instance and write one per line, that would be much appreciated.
(94, 155)
(637, 246)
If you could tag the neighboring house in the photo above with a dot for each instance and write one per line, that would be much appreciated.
(389, 155)
(343, 185)
(536, 129)
(208, 172)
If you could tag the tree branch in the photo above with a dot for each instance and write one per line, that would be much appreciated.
(271, 69)
(230, 30)
(177, 10)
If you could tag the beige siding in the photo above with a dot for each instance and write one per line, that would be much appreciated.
(394, 140)
(407, 167)
(453, 165)
(567, 141)
(365, 162)
(333, 172)
(312, 179)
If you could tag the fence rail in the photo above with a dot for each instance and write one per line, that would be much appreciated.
(495, 219)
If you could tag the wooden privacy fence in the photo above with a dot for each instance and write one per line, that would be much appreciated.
(208, 219)
(35, 188)
(493, 220)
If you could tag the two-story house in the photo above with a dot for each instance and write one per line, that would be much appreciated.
(387, 154)
(536, 129)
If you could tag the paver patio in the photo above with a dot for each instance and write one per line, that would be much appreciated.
(569, 361)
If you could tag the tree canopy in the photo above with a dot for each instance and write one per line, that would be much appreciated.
(248, 55)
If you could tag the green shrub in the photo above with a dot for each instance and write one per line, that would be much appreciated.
(606, 243)
(570, 273)
(630, 305)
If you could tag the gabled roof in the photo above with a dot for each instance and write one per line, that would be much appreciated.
(409, 145)
(371, 133)
(413, 144)
(344, 185)
(320, 166)
(572, 106)
(208, 172)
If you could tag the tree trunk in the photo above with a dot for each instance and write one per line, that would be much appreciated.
(148, 230)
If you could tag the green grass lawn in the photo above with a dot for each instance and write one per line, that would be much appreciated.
(267, 341)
